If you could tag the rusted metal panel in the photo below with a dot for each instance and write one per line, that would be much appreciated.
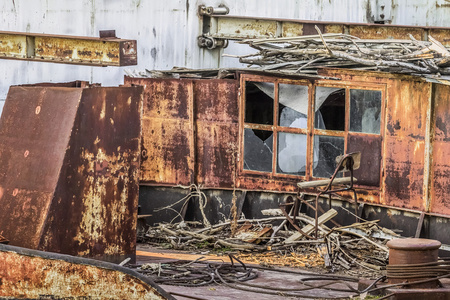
(385, 32)
(442, 35)
(370, 147)
(404, 149)
(167, 132)
(70, 162)
(31, 156)
(221, 27)
(217, 116)
(94, 209)
(440, 182)
(31, 274)
(68, 49)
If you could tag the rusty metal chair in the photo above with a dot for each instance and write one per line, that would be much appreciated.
(345, 163)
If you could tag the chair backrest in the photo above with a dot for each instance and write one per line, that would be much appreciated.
(346, 161)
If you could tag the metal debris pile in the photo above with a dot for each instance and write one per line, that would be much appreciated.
(357, 249)
(305, 54)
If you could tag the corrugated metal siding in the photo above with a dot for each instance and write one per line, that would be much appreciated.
(166, 31)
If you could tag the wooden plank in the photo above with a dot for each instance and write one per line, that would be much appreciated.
(309, 228)
(322, 182)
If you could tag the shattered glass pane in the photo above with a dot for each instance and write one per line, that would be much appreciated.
(365, 111)
(291, 153)
(293, 105)
(330, 108)
(326, 149)
(258, 145)
(259, 102)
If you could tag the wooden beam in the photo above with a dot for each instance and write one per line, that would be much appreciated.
(309, 228)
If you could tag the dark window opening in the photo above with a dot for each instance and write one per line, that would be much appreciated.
(326, 149)
(365, 111)
(330, 108)
(258, 151)
(259, 102)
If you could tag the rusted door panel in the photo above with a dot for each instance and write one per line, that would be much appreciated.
(216, 154)
(370, 148)
(216, 100)
(31, 154)
(404, 173)
(404, 156)
(407, 109)
(166, 157)
(31, 274)
(94, 209)
(167, 132)
(216, 117)
(440, 178)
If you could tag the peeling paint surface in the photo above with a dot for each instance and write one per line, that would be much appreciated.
(72, 189)
(32, 274)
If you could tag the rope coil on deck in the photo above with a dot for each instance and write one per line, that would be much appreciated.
(408, 271)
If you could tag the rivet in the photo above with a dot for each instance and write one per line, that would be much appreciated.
(38, 109)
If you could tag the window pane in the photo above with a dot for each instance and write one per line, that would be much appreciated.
(326, 149)
(330, 108)
(293, 105)
(258, 145)
(291, 153)
(365, 111)
(259, 102)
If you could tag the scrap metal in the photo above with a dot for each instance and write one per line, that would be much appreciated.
(218, 27)
(31, 274)
(104, 51)
(72, 189)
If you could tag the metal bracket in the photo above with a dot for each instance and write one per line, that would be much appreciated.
(211, 43)
(209, 24)
(209, 10)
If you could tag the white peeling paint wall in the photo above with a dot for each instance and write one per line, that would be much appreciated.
(167, 30)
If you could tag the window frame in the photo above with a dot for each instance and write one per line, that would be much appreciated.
(310, 131)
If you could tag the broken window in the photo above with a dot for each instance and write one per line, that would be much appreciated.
(327, 149)
(330, 108)
(281, 139)
(272, 109)
(365, 111)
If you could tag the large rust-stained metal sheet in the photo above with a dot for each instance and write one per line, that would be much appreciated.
(97, 192)
(71, 160)
(31, 274)
(167, 131)
(440, 178)
(109, 51)
(35, 129)
(405, 143)
(217, 127)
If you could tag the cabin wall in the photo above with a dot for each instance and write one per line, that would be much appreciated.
(190, 132)
(405, 144)
(191, 135)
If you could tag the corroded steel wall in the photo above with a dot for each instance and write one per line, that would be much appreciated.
(405, 143)
(217, 132)
(97, 191)
(167, 131)
(70, 163)
(31, 156)
(31, 274)
(189, 131)
(440, 178)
